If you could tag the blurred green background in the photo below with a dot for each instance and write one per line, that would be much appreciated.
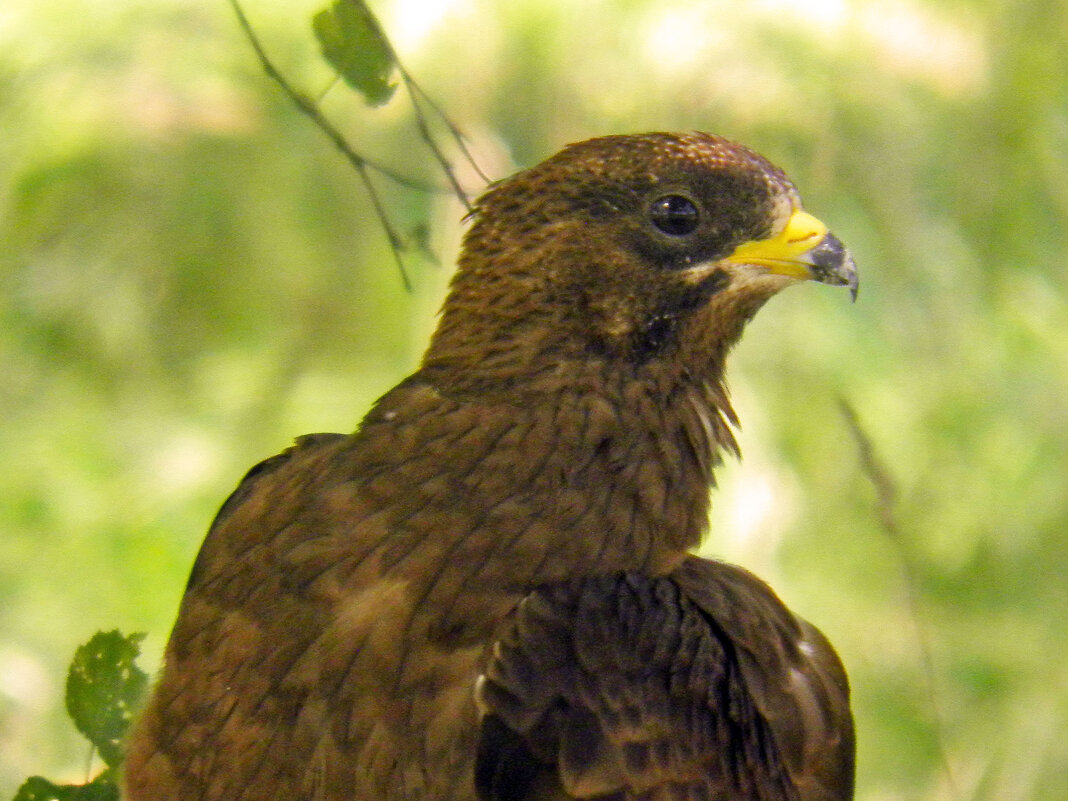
(192, 276)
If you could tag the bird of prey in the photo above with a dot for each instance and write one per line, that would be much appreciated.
(486, 591)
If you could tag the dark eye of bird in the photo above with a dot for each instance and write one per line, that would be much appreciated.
(674, 215)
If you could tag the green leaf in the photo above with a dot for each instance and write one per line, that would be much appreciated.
(354, 44)
(102, 788)
(104, 689)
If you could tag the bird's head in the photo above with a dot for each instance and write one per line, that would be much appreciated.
(629, 250)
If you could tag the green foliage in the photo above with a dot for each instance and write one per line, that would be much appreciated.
(102, 788)
(353, 43)
(104, 688)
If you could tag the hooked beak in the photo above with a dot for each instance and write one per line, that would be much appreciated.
(804, 249)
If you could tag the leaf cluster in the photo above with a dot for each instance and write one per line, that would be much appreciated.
(104, 689)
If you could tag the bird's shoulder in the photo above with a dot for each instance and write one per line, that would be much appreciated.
(321, 488)
(265, 497)
(304, 450)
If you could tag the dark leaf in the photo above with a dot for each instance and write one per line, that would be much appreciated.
(104, 689)
(354, 44)
(36, 788)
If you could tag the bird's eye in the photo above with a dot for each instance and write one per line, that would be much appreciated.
(674, 215)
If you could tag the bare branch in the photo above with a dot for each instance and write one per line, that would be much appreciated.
(308, 107)
(885, 490)
(886, 495)
(428, 138)
(455, 132)
(418, 96)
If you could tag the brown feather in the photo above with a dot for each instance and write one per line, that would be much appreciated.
(696, 685)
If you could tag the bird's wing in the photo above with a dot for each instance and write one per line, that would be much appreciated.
(789, 670)
(241, 627)
(698, 685)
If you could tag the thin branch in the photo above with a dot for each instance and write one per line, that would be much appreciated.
(89, 763)
(418, 96)
(885, 490)
(427, 137)
(308, 107)
(885, 503)
(455, 132)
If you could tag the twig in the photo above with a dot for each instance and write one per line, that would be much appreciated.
(308, 107)
(89, 763)
(885, 490)
(417, 96)
(885, 504)
(455, 132)
(427, 137)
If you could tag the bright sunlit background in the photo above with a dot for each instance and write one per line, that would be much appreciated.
(192, 277)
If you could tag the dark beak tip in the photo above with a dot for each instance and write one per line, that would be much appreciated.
(850, 277)
(833, 264)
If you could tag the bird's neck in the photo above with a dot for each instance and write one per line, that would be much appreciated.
(598, 472)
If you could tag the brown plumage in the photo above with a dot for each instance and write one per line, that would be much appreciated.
(485, 591)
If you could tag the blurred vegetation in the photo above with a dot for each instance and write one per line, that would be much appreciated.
(193, 276)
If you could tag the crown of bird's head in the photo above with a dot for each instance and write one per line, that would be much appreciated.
(628, 250)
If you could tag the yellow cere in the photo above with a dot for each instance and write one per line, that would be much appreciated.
(783, 253)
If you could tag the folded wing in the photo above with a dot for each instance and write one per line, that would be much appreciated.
(697, 685)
